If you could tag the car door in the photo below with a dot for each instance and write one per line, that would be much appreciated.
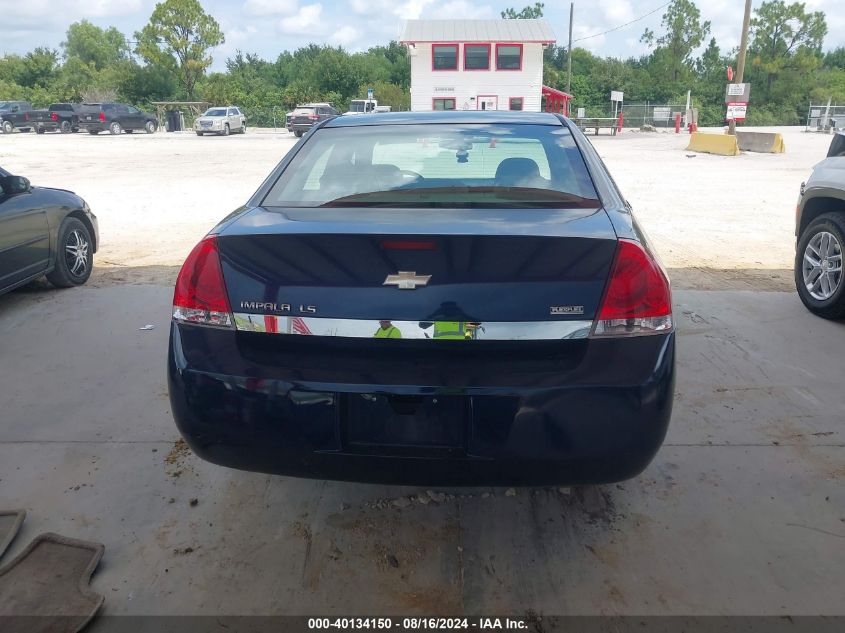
(234, 124)
(24, 238)
(134, 118)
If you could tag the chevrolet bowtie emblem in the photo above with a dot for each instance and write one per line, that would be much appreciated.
(405, 280)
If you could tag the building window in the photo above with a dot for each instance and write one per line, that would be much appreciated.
(476, 57)
(516, 103)
(443, 104)
(444, 57)
(509, 57)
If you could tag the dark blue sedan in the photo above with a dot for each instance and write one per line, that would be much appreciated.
(443, 298)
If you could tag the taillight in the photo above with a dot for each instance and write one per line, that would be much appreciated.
(54, 116)
(638, 299)
(313, 117)
(102, 116)
(200, 295)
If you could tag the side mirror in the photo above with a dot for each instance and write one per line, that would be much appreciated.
(12, 185)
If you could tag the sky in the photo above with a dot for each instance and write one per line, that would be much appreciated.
(268, 27)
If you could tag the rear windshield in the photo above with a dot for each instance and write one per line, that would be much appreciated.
(215, 112)
(443, 165)
(303, 111)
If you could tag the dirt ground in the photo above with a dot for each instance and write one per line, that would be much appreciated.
(718, 222)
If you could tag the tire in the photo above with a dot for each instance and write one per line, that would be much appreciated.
(243, 128)
(40, 130)
(73, 265)
(8, 128)
(150, 127)
(226, 130)
(821, 287)
(199, 133)
(114, 128)
(298, 134)
(65, 127)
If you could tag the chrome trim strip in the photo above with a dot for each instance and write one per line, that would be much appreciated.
(366, 328)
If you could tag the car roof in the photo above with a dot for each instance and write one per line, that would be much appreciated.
(459, 116)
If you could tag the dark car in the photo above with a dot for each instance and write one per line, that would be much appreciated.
(820, 233)
(44, 231)
(15, 115)
(58, 117)
(307, 116)
(116, 118)
(446, 298)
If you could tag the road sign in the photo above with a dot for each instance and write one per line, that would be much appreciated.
(738, 93)
(737, 111)
(616, 95)
(370, 93)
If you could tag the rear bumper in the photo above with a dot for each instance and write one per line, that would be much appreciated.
(300, 127)
(596, 413)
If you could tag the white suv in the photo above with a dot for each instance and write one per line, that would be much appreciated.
(221, 120)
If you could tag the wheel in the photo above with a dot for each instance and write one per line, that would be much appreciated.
(93, 132)
(74, 130)
(226, 130)
(65, 127)
(115, 128)
(8, 128)
(298, 134)
(75, 256)
(150, 127)
(199, 133)
(243, 128)
(818, 266)
(40, 130)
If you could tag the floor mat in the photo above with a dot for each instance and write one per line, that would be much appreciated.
(10, 523)
(45, 589)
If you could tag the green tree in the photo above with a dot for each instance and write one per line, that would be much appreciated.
(683, 32)
(527, 13)
(95, 46)
(835, 58)
(39, 67)
(785, 37)
(179, 36)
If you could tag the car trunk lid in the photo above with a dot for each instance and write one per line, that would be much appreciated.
(480, 266)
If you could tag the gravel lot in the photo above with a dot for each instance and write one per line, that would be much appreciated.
(724, 222)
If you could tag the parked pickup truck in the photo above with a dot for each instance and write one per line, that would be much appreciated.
(15, 115)
(61, 117)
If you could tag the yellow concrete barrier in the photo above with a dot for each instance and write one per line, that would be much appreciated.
(769, 142)
(722, 144)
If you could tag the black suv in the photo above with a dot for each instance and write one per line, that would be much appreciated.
(306, 116)
(115, 117)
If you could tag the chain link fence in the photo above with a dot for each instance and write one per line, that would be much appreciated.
(660, 115)
(825, 118)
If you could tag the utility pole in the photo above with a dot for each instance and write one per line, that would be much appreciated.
(743, 49)
(569, 55)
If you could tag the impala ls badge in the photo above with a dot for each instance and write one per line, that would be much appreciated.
(566, 310)
(405, 280)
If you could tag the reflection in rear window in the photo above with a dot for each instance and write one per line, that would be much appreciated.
(442, 165)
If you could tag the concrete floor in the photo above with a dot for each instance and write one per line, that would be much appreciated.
(742, 512)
